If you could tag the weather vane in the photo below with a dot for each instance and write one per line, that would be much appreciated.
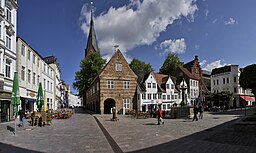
(116, 46)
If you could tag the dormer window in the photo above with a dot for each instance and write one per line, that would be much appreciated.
(118, 67)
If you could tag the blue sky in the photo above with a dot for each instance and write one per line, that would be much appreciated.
(219, 32)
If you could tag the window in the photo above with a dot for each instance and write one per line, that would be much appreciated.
(8, 15)
(154, 85)
(159, 96)
(217, 82)
(127, 103)
(8, 69)
(22, 50)
(118, 67)
(168, 97)
(172, 86)
(167, 86)
(172, 96)
(47, 85)
(38, 79)
(93, 89)
(23, 73)
(44, 67)
(223, 80)
(149, 85)
(175, 96)
(8, 41)
(168, 106)
(234, 79)
(51, 86)
(44, 83)
(97, 86)
(227, 80)
(143, 96)
(213, 82)
(34, 58)
(34, 78)
(29, 54)
(126, 84)
(38, 61)
(235, 90)
(110, 84)
(164, 97)
(149, 96)
(154, 96)
(164, 107)
(29, 76)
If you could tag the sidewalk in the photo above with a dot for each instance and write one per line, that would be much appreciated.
(177, 135)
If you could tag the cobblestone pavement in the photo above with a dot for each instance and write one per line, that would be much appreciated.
(80, 133)
(83, 133)
(178, 135)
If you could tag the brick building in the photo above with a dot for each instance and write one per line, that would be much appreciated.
(114, 86)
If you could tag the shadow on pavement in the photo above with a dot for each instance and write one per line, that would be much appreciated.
(150, 124)
(6, 148)
(9, 128)
(240, 112)
(80, 111)
(209, 140)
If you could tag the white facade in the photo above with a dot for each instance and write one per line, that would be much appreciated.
(74, 100)
(151, 96)
(32, 70)
(227, 79)
(170, 96)
(194, 91)
(8, 31)
(154, 94)
(48, 84)
(8, 28)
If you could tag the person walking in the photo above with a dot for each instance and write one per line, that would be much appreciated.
(22, 115)
(200, 109)
(159, 116)
(195, 113)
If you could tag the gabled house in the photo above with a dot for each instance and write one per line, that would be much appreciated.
(192, 82)
(114, 86)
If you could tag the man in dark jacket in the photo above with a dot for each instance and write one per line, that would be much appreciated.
(195, 113)
(22, 115)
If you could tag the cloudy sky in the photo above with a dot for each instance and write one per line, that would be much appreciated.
(219, 32)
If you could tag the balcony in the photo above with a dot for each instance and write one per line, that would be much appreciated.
(9, 30)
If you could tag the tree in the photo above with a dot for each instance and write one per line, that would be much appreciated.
(247, 78)
(89, 69)
(171, 64)
(140, 67)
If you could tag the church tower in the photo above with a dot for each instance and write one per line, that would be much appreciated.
(92, 45)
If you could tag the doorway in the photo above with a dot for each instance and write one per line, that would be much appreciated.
(108, 104)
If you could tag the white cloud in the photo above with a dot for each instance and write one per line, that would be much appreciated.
(173, 46)
(197, 47)
(214, 21)
(231, 21)
(203, 63)
(213, 65)
(137, 23)
(206, 12)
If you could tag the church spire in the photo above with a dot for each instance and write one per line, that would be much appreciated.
(92, 45)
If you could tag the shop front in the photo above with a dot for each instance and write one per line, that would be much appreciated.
(27, 104)
(5, 107)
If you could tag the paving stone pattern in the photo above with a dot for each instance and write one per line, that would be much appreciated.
(83, 133)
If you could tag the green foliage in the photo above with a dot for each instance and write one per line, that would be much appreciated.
(89, 69)
(139, 66)
(171, 64)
